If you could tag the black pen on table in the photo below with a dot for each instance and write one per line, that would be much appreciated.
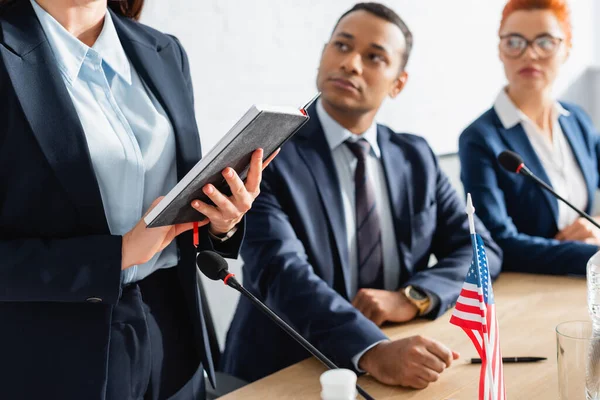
(512, 360)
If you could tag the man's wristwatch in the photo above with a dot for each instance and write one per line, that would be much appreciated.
(418, 297)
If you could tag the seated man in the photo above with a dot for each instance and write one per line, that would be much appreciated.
(339, 240)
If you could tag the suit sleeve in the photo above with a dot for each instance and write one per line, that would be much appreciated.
(277, 268)
(229, 248)
(522, 252)
(61, 270)
(452, 247)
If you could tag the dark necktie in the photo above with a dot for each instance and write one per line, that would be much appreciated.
(368, 228)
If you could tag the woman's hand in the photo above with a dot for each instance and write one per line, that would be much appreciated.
(141, 244)
(228, 211)
(582, 231)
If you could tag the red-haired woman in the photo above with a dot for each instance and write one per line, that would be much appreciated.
(556, 140)
(96, 122)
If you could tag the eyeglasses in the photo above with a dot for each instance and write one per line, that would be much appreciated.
(514, 45)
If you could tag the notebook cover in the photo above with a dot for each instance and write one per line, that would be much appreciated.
(268, 130)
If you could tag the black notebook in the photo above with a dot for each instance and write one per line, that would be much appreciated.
(263, 127)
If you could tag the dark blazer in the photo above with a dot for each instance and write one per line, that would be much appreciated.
(521, 216)
(57, 256)
(296, 256)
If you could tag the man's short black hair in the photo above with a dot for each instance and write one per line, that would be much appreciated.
(389, 15)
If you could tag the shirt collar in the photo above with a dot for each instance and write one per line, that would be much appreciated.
(337, 134)
(70, 52)
(510, 115)
(110, 49)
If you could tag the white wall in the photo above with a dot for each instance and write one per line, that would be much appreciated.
(267, 51)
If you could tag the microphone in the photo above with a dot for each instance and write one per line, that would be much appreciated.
(512, 162)
(215, 267)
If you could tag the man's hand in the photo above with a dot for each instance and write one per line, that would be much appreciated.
(381, 306)
(411, 362)
(582, 231)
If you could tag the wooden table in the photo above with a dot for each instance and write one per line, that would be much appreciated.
(528, 307)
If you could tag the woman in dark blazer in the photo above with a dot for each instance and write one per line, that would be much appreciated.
(96, 122)
(556, 140)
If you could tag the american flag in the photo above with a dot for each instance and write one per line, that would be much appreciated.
(475, 313)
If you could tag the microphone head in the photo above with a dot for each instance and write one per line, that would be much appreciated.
(511, 161)
(212, 265)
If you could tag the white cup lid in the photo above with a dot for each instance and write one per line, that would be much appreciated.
(338, 382)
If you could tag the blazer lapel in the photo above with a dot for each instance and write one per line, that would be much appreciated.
(397, 173)
(155, 64)
(516, 139)
(574, 136)
(314, 150)
(47, 105)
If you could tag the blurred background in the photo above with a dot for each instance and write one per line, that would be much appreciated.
(267, 52)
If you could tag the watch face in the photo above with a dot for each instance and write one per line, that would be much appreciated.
(417, 294)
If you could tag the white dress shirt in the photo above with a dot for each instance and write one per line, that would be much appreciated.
(555, 154)
(129, 136)
(345, 165)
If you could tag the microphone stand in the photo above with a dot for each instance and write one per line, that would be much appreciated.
(525, 171)
(232, 282)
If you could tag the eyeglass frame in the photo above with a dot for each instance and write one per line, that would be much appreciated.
(530, 43)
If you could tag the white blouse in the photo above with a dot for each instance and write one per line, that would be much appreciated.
(555, 154)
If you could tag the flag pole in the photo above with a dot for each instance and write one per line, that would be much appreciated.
(470, 213)
(470, 210)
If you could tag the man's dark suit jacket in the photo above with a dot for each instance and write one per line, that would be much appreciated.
(60, 268)
(296, 257)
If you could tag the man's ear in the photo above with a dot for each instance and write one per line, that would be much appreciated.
(399, 84)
